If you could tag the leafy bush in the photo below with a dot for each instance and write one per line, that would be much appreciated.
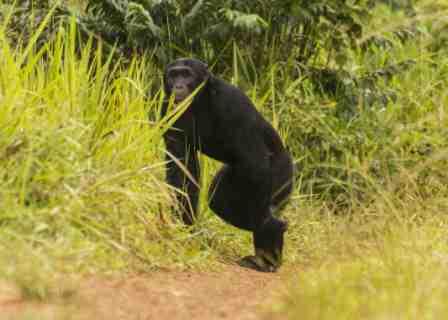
(206, 28)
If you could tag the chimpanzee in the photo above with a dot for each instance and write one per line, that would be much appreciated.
(256, 178)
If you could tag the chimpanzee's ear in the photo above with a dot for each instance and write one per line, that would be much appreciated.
(204, 73)
(203, 66)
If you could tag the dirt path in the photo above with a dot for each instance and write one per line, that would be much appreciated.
(233, 293)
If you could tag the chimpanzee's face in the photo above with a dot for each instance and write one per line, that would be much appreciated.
(183, 76)
(181, 81)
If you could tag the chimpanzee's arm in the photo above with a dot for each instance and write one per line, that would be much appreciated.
(182, 157)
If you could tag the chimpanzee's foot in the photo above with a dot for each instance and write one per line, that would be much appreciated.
(259, 263)
(268, 243)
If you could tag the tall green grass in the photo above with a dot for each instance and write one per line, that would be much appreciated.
(386, 260)
(82, 169)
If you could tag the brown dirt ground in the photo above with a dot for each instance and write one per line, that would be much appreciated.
(232, 293)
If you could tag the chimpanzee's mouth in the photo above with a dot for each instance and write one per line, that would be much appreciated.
(180, 96)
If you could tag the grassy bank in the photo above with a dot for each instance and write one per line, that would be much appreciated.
(82, 169)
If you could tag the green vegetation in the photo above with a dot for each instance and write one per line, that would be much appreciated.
(81, 166)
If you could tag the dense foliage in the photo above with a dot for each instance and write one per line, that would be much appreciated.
(207, 28)
(317, 46)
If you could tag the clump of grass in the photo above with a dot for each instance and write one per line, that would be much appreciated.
(386, 265)
(34, 272)
(82, 168)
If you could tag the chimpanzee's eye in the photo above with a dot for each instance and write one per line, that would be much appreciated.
(185, 73)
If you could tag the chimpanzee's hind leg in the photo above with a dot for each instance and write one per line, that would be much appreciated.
(228, 201)
(282, 180)
(236, 200)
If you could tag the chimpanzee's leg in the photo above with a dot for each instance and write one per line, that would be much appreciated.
(282, 180)
(228, 199)
(242, 198)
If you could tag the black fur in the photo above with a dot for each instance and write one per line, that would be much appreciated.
(256, 179)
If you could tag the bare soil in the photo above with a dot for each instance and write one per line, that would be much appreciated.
(233, 293)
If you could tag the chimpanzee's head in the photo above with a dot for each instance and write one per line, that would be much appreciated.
(183, 76)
